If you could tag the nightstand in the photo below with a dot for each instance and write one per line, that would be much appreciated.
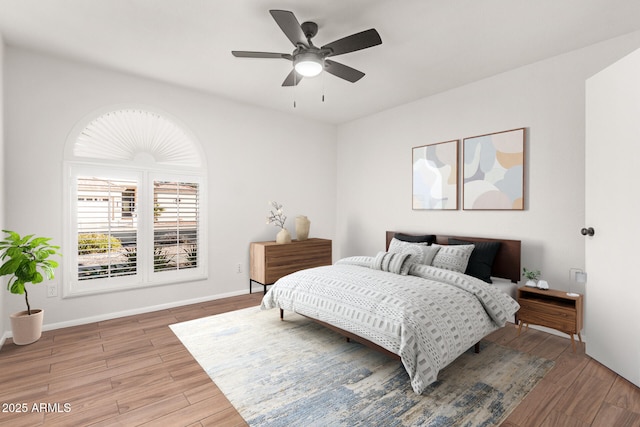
(271, 261)
(551, 308)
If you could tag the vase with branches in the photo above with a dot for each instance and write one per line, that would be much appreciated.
(277, 217)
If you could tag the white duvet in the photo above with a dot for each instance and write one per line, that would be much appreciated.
(428, 317)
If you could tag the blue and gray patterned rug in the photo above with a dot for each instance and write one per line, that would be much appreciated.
(298, 373)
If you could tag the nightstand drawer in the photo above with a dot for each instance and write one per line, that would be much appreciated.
(545, 308)
(559, 318)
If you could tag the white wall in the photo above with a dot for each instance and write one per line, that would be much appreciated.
(253, 155)
(3, 316)
(548, 98)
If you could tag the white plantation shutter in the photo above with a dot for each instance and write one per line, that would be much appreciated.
(123, 134)
(135, 204)
(175, 225)
(107, 228)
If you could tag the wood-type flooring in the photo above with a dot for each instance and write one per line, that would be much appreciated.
(133, 371)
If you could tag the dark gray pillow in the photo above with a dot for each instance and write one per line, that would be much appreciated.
(425, 238)
(481, 260)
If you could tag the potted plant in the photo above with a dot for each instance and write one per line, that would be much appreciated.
(25, 260)
(532, 276)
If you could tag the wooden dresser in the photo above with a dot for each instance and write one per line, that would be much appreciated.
(271, 261)
(551, 308)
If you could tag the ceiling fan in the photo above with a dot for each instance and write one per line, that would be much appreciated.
(309, 60)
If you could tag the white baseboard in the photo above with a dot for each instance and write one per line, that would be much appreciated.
(132, 312)
(3, 338)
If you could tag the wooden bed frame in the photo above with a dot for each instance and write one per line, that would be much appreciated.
(506, 265)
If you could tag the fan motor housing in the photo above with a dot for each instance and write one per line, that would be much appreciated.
(310, 29)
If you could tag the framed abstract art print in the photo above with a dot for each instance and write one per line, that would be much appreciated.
(435, 176)
(493, 171)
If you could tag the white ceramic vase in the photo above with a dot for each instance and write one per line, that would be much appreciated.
(283, 236)
(531, 283)
(302, 227)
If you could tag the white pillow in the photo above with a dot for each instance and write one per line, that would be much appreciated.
(419, 253)
(452, 257)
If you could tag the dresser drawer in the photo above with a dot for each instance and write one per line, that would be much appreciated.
(271, 261)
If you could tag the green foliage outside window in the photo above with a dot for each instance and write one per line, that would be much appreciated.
(97, 243)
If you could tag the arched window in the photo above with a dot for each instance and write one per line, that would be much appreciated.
(135, 203)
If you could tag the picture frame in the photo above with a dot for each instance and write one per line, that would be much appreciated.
(435, 176)
(493, 171)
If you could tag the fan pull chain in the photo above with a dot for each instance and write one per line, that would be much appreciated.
(295, 87)
(323, 73)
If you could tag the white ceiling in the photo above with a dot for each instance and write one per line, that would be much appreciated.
(428, 46)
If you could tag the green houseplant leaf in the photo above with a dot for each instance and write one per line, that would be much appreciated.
(10, 266)
(531, 274)
(25, 260)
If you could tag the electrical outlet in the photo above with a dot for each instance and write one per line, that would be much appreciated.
(239, 268)
(52, 290)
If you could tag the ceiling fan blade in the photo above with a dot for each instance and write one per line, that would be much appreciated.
(245, 54)
(292, 79)
(362, 40)
(290, 26)
(342, 71)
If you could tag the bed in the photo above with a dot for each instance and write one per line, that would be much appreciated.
(426, 299)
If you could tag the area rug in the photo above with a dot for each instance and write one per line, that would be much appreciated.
(298, 373)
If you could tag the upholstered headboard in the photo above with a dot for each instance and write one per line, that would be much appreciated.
(506, 263)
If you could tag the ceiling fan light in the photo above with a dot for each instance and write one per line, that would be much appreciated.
(308, 65)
